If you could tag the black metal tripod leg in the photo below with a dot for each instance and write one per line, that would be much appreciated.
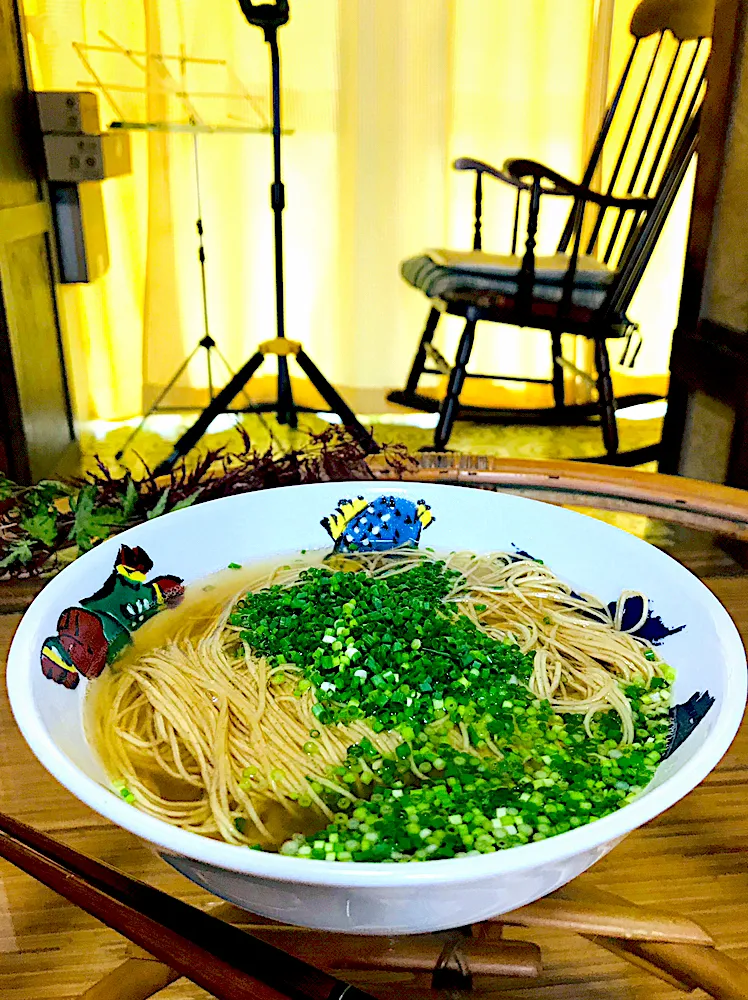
(337, 404)
(419, 361)
(451, 401)
(286, 408)
(607, 400)
(156, 403)
(218, 405)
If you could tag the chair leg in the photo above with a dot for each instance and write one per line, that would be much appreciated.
(451, 401)
(419, 361)
(558, 372)
(607, 401)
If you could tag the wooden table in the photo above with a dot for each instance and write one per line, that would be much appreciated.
(692, 860)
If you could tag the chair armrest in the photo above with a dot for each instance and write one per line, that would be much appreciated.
(467, 163)
(521, 169)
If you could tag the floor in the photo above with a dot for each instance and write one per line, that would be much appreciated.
(639, 427)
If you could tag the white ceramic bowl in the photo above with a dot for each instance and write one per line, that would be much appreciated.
(368, 898)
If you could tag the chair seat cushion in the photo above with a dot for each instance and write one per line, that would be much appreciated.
(442, 274)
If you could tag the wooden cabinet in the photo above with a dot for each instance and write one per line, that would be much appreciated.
(36, 427)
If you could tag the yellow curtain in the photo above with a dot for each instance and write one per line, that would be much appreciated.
(379, 97)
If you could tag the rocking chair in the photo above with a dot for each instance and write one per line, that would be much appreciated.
(587, 286)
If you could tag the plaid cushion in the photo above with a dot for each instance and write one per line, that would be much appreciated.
(443, 273)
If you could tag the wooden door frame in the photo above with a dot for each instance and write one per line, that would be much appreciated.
(704, 356)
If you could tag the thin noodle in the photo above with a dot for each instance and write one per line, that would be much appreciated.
(209, 738)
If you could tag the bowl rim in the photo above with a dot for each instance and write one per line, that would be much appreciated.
(258, 864)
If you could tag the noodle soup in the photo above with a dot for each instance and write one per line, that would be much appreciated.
(400, 706)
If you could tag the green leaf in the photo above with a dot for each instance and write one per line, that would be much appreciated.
(42, 496)
(92, 523)
(7, 487)
(98, 526)
(52, 489)
(132, 494)
(188, 501)
(160, 506)
(19, 551)
(82, 507)
(42, 525)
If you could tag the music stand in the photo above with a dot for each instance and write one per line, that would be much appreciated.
(270, 17)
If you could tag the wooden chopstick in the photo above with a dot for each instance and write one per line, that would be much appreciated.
(229, 963)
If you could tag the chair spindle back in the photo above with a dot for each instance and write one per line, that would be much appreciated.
(647, 136)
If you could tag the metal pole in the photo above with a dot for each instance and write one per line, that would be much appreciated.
(286, 408)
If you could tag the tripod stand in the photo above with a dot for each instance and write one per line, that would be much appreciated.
(207, 343)
(270, 17)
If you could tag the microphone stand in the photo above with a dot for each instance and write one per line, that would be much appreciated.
(270, 17)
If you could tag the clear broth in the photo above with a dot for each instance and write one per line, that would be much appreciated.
(204, 599)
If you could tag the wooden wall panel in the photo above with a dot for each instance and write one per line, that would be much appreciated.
(18, 185)
(36, 428)
(36, 350)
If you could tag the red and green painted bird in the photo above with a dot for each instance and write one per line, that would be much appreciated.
(92, 635)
